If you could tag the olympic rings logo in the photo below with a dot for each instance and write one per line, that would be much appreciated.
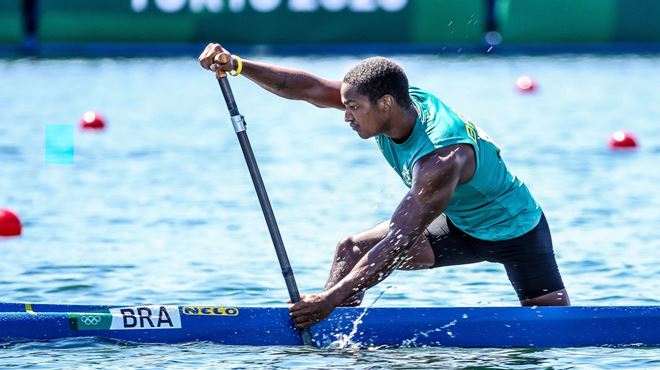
(90, 320)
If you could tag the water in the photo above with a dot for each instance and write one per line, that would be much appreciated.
(160, 207)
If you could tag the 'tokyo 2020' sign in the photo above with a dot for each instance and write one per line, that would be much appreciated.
(265, 6)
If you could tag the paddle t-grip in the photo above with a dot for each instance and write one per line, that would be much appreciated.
(223, 58)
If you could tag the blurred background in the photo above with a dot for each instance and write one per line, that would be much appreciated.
(145, 27)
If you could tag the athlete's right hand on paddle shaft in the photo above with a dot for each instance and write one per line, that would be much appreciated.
(311, 309)
(215, 57)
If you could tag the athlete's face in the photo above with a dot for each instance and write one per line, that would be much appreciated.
(365, 118)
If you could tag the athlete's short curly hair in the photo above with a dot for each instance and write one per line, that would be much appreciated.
(378, 76)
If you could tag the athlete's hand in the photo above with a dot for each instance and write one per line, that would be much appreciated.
(215, 57)
(311, 309)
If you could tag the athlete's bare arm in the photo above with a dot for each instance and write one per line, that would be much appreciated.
(285, 82)
(434, 179)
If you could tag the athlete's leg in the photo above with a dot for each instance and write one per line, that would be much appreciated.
(420, 256)
(556, 298)
(352, 248)
(531, 266)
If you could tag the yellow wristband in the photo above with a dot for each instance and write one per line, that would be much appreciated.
(239, 68)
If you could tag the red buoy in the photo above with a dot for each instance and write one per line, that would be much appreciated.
(92, 121)
(622, 139)
(525, 84)
(10, 224)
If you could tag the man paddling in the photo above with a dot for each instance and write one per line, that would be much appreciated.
(463, 206)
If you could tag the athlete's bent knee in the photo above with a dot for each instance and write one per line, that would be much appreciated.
(348, 250)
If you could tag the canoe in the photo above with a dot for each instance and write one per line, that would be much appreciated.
(540, 327)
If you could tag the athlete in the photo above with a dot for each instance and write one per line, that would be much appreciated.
(463, 206)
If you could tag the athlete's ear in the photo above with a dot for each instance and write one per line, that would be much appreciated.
(386, 102)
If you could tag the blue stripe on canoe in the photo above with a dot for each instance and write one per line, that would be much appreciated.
(459, 326)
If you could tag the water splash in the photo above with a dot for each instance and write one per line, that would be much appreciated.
(345, 341)
(413, 341)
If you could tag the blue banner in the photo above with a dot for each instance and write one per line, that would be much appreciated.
(59, 144)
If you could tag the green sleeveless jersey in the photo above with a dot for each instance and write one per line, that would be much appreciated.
(494, 204)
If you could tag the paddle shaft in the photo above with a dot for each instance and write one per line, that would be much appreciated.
(238, 122)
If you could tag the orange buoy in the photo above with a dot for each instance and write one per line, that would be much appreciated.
(92, 121)
(622, 139)
(525, 84)
(10, 224)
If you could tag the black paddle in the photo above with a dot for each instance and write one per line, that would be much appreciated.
(238, 122)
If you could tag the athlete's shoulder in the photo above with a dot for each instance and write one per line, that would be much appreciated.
(426, 102)
(418, 94)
